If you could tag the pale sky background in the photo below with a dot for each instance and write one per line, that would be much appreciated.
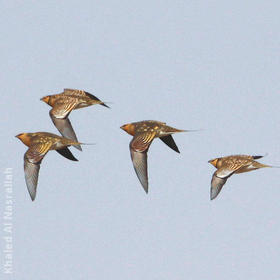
(211, 65)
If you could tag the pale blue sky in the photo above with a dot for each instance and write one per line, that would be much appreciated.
(211, 65)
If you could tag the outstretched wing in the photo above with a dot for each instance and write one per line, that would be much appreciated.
(169, 141)
(32, 161)
(78, 92)
(63, 107)
(219, 178)
(139, 146)
(65, 152)
(59, 115)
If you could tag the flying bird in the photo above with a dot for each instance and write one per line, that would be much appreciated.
(39, 144)
(229, 165)
(62, 105)
(143, 133)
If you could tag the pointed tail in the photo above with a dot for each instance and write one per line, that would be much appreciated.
(261, 165)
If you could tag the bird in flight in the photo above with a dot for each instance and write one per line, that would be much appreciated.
(143, 133)
(62, 105)
(39, 143)
(229, 165)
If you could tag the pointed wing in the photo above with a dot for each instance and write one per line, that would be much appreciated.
(139, 160)
(93, 97)
(32, 161)
(216, 186)
(219, 178)
(169, 141)
(31, 172)
(65, 128)
(139, 146)
(257, 157)
(65, 152)
(59, 115)
(78, 92)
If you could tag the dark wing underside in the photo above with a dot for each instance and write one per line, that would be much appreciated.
(65, 152)
(169, 141)
(257, 157)
(93, 97)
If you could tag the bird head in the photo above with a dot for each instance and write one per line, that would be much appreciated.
(46, 99)
(214, 161)
(24, 138)
(129, 128)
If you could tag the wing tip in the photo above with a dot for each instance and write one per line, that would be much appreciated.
(105, 105)
(257, 157)
(212, 196)
(31, 192)
(78, 147)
